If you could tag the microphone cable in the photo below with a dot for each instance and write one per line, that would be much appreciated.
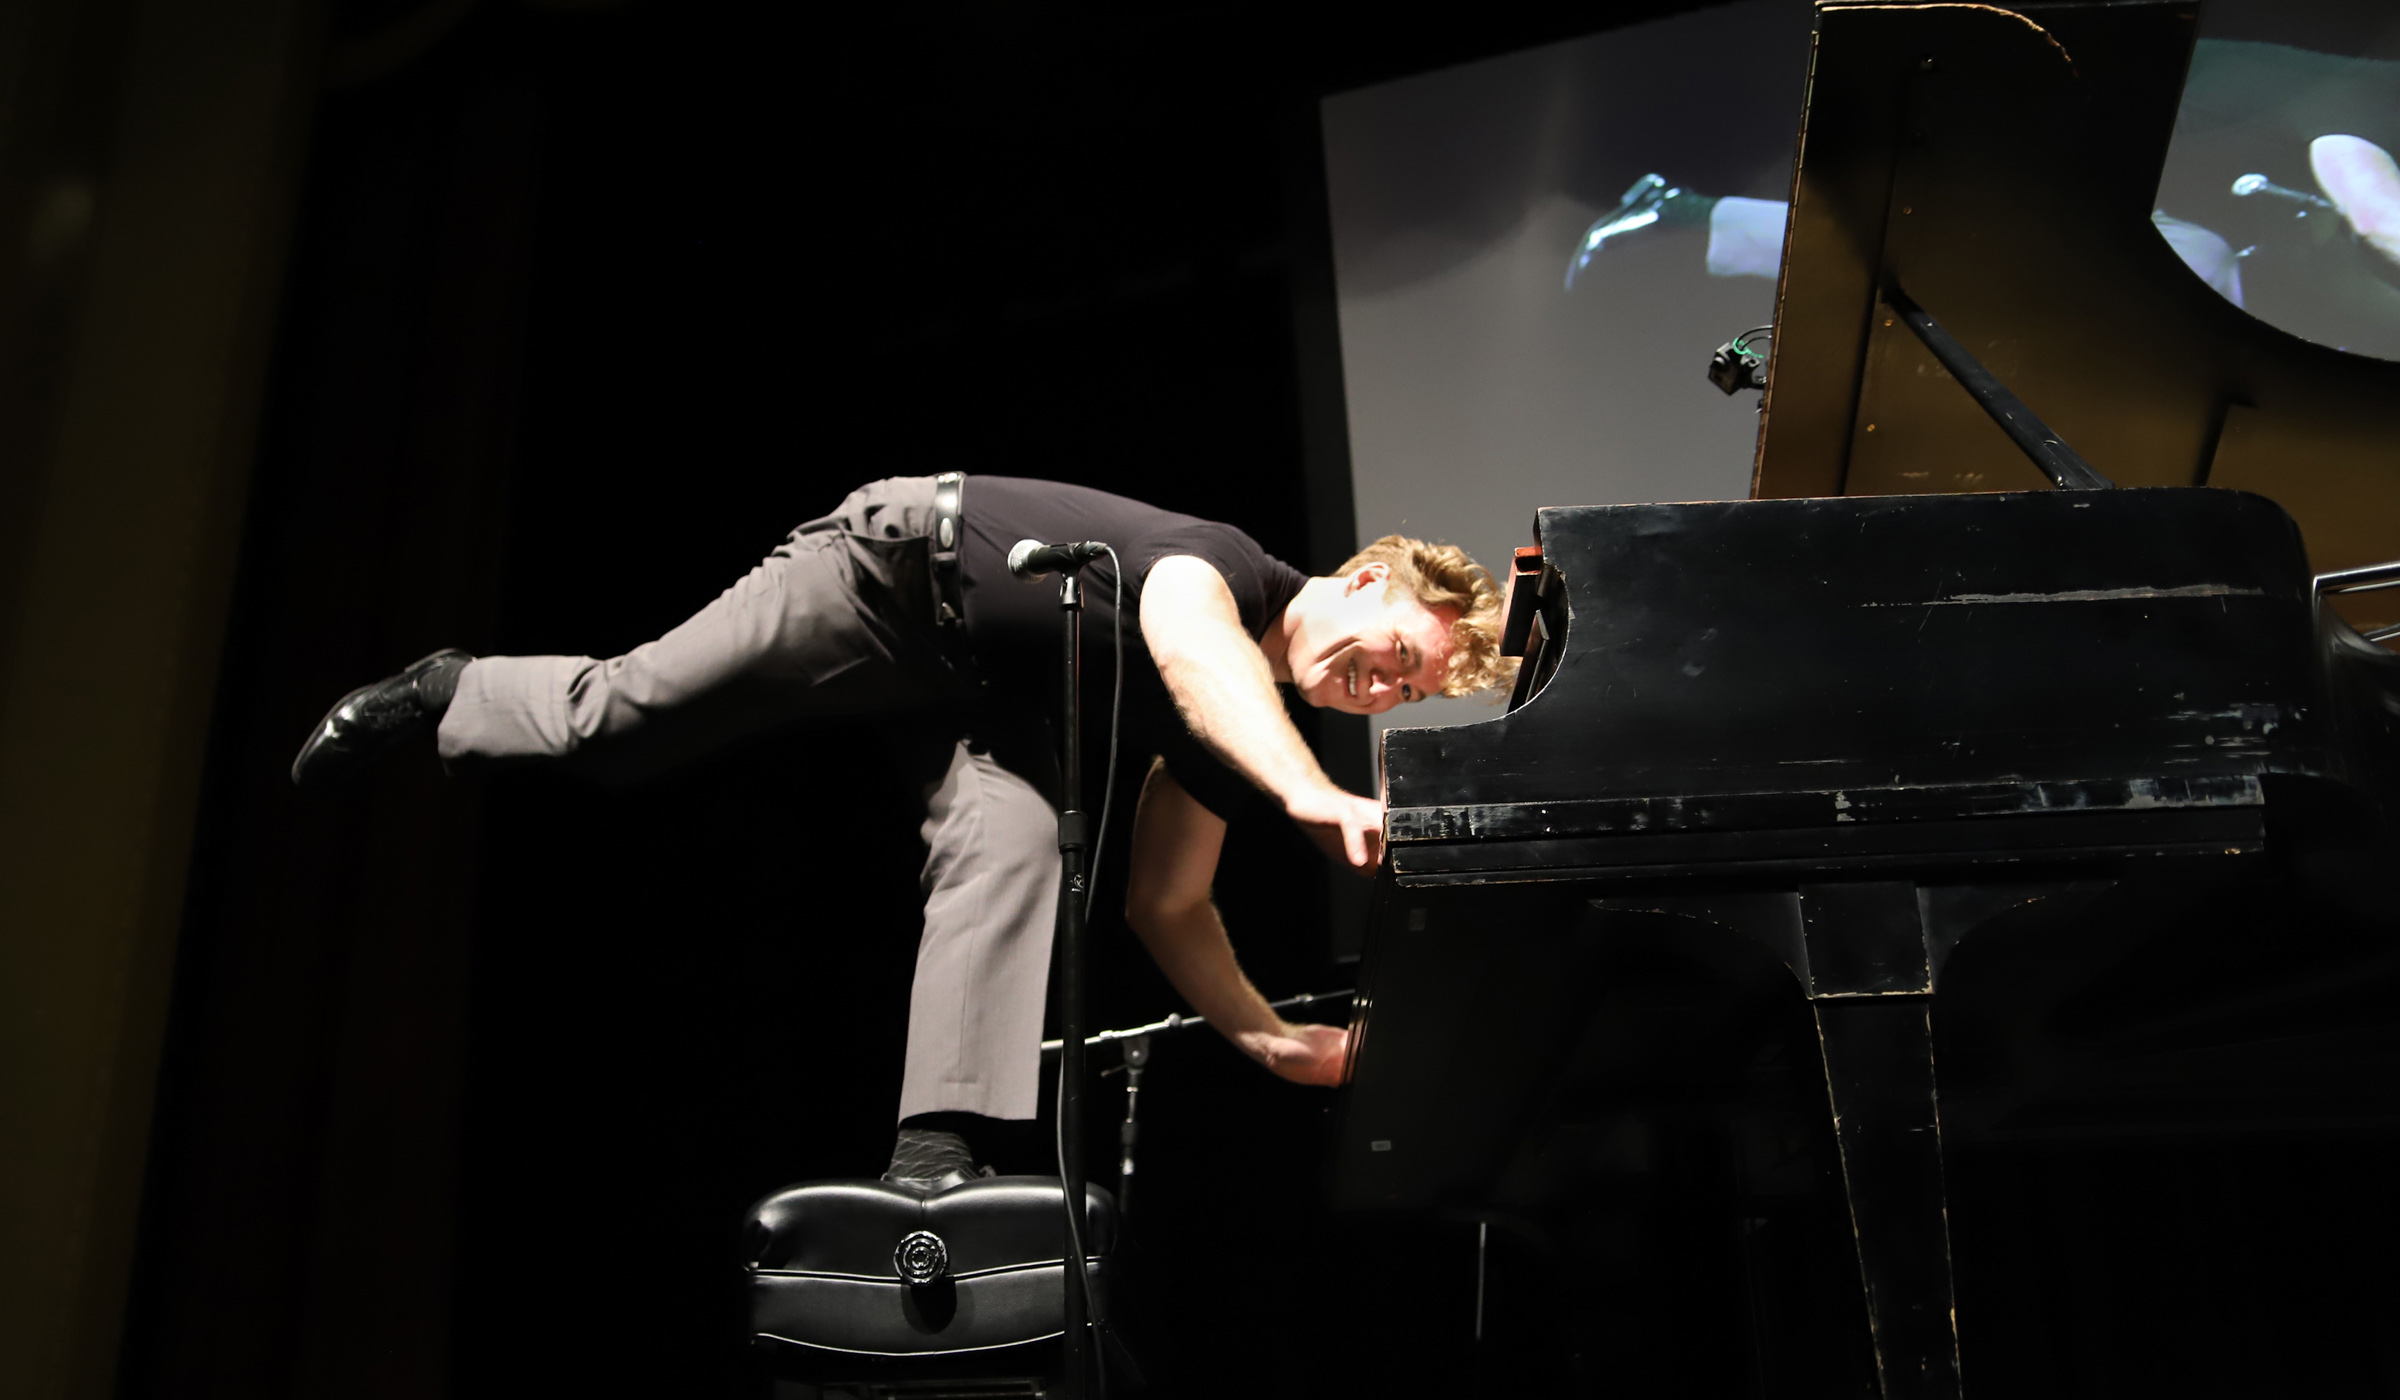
(1116, 711)
(1091, 887)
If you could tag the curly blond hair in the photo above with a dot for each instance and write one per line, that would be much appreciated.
(1442, 576)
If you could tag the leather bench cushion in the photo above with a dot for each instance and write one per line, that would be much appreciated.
(823, 1274)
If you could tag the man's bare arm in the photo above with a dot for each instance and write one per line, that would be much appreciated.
(1176, 842)
(1226, 693)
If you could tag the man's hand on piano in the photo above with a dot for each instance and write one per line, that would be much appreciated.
(1176, 842)
(1348, 827)
(1302, 1053)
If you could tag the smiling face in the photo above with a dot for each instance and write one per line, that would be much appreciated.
(1354, 650)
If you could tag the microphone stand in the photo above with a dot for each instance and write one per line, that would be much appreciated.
(1074, 852)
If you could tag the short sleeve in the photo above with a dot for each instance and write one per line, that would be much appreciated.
(1250, 574)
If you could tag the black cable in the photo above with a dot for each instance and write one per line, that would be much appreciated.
(1116, 711)
(1091, 1311)
(1058, 1132)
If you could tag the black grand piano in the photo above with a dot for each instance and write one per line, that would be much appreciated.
(2006, 770)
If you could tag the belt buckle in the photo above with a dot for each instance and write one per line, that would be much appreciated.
(949, 604)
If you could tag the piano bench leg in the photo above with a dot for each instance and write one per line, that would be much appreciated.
(1879, 1071)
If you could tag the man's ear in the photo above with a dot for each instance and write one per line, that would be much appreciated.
(1373, 574)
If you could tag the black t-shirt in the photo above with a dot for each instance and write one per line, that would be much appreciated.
(1013, 627)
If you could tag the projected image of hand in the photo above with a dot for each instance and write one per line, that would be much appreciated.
(2363, 182)
(1651, 202)
(1745, 236)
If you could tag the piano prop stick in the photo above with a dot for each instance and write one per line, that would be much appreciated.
(2067, 471)
(1867, 798)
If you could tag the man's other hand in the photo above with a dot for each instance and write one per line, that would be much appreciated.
(1302, 1053)
(1348, 827)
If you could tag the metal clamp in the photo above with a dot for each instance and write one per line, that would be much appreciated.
(2365, 579)
(2360, 580)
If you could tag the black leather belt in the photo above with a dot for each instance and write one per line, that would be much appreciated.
(949, 597)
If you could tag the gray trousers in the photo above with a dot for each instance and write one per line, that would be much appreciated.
(836, 622)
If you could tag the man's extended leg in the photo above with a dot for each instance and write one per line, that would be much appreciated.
(837, 621)
(791, 640)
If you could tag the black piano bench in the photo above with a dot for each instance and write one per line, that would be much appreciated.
(861, 1290)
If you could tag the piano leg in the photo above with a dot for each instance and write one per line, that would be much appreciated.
(1879, 1070)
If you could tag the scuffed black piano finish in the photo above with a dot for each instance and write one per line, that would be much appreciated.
(2000, 700)
(2081, 803)
(1822, 664)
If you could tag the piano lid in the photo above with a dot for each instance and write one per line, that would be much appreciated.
(1999, 168)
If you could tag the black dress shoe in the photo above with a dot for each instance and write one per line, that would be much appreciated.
(374, 719)
(931, 1161)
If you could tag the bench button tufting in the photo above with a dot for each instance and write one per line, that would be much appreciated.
(921, 1258)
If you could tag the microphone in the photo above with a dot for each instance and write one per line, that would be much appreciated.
(1031, 559)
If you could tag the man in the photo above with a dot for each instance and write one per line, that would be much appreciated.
(871, 612)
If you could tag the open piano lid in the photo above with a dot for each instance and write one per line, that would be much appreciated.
(1999, 168)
